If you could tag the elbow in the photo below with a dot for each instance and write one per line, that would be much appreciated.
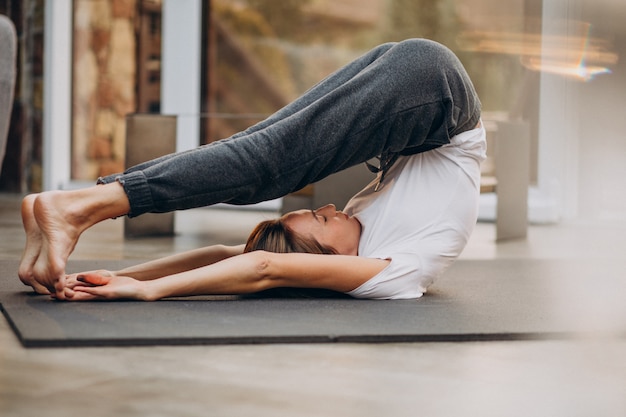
(265, 274)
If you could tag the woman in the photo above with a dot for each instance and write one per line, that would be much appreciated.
(411, 104)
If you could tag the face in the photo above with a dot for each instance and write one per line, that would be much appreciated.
(328, 226)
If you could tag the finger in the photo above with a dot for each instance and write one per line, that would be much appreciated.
(83, 296)
(102, 272)
(99, 292)
(93, 278)
(70, 281)
(73, 281)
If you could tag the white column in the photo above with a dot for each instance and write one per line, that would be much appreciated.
(180, 68)
(556, 194)
(57, 94)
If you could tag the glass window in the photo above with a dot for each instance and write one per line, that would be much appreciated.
(260, 54)
(116, 71)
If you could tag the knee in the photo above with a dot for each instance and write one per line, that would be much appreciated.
(424, 49)
(411, 53)
(424, 57)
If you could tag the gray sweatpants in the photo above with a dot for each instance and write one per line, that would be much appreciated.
(399, 98)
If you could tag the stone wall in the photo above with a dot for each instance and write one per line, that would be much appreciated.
(104, 85)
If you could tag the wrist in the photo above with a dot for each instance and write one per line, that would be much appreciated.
(148, 291)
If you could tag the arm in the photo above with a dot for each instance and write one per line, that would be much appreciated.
(169, 265)
(185, 261)
(246, 273)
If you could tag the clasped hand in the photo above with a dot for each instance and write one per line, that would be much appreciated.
(101, 285)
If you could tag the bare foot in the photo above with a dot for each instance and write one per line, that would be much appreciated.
(33, 245)
(53, 221)
(59, 228)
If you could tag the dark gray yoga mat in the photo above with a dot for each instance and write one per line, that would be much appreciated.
(475, 300)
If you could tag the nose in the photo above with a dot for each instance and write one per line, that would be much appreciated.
(328, 208)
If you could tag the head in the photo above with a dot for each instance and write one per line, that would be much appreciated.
(321, 231)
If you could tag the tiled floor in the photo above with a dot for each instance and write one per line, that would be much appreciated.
(585, 377)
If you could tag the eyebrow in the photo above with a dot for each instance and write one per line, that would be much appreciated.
(315, 216)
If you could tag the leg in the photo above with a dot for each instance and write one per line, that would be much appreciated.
(316, 92)
(398, 98)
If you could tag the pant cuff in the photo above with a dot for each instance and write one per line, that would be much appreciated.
(137, 190)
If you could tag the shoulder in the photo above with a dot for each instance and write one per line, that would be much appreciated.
(408, 276)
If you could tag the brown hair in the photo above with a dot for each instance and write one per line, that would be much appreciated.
(275, 236)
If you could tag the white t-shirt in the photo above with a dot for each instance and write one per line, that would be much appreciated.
(421, 218)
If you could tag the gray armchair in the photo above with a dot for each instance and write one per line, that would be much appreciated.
(8, 46)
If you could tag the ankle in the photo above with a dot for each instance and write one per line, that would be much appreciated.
(101, 202)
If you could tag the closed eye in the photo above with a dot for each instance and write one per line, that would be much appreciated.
(317, 216)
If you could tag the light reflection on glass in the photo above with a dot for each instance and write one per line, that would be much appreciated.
(562, 48)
